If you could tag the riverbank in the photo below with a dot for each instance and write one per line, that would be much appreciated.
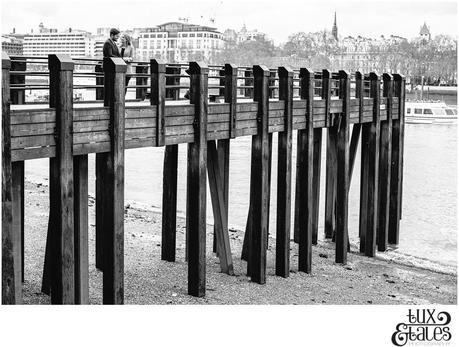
(149, 280)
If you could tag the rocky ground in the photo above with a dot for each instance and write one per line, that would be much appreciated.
(149, 280)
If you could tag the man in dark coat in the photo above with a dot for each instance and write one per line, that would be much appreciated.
(110, 47)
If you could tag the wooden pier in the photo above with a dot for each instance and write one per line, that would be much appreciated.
(225, 102)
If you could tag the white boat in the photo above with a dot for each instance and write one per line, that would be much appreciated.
(422, 112)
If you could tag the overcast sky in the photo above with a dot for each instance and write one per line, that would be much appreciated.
(278, 19)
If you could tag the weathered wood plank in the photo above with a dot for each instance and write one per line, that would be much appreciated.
(230, 94)
(370, 172)
(342, 186)
(169, 206)
(218, 205)
(385, 166)
(306, 173)
(331, 161)
(61, 97)
(11, 256)
(113, 239)
(196, 182)
(396, 162)
(260, 187)
(80, 166)
(284, 174)
(158, 98)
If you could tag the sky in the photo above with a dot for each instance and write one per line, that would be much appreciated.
(278, 19)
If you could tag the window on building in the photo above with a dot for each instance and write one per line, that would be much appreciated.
(191, 35)
(198, 44)
(199, 35)
(417, 111)
(428, 111)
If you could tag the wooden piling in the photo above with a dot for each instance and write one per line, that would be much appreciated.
(370, 172)
(331, 159)
(317, 159)
(62, 179)
(385, 152)
(396, 162)
(113, 185)
(196, 182)
(18, 212)
(306, 173)
(80, 167)
(342, 186)
(357, 127)
(260, 186)
(11, 282)
(220, 211)
(284, 175)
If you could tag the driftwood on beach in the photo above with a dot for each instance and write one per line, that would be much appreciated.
(225, 102)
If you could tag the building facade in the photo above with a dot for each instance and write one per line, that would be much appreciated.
(179, 42)
(12, 45)
(76, 43)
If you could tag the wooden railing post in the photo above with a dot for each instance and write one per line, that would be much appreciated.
(113, 185)
(11, 256)
(397, 161)
(370, 172)
(385, 152)
(196, 182)
(248, 82)
(342, 186)
(231, 95)
(330, 182)
(61, 182)
(260, 172)
(284, 175)
(306, 173)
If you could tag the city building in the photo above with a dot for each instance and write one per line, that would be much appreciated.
(424, 33)
(12, 45)
(249, 35)
(179, 42)
(76, 43)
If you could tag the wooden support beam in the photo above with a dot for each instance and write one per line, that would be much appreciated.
(296, 214)
(196, 182)
(385, 152)
(219, 208)
(284, 175)
(342, 186)
(80, 167)
(61, 180)
(330, 170)
(99, 82)
(317, 159)
(18, 211)
(11, 256)
(169, 206)
(306, 173)
(260, 180)
(113, 185)
(396, 164)
(101, 173)
(370, 173)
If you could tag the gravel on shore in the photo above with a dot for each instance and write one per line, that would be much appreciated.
(149, 280)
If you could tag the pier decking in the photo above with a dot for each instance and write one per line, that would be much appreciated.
(272, 101)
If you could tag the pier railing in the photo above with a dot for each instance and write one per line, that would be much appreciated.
(204, 107)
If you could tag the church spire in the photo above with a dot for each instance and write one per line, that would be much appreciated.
(335, 29)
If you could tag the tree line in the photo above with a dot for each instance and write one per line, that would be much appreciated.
(435, 59)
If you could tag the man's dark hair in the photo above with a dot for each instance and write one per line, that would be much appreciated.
(114, 31)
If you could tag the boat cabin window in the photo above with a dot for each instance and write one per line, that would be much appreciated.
(439, 111)
(450, 112)
(417, 111)
(428, 111)
(408, 110)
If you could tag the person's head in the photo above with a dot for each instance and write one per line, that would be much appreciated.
(114, 34)
(125, 40)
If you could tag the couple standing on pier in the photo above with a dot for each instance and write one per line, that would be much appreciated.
(124, 50)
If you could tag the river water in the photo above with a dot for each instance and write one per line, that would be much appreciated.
(428, 227)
